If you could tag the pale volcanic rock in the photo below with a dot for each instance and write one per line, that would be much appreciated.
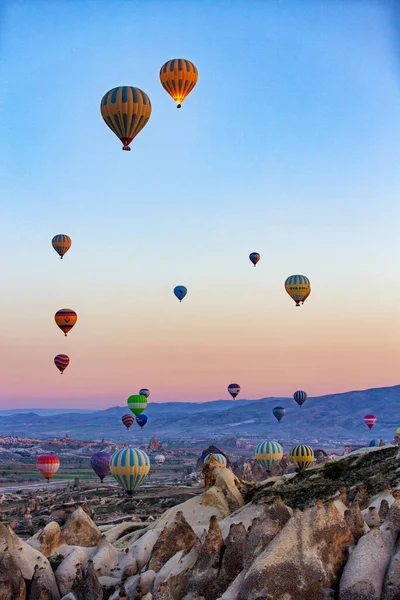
(233, 556)
(302, 560)
(372, 518)
(79, 530)
(86, 585)
(143, 547)
(39, 588)
(75, 558)
(117, 531)
(391, 587)
(12, 584)
(176, 535)
(105, 558)
(355, 522)
(176, 571)
(48, 540)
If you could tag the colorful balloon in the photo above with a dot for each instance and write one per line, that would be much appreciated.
(159, 459)
(180, 292)
(137, 404)
(128, 420)
(374, 443)
(61, 361)
(300, 397)
(126, 110)
(65, 319)
(61, 243)
(221, 459)
(254, 257)
(178, 77)
(100, 463)
(303, 455)
(279, 412)
(298, 287)
(130, 466)
(398, 432)
(144, 392)
(48, 465)
(142, 420)
(234, 389)
(370, 421)
(268, 453)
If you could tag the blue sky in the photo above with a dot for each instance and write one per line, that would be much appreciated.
(289, 146)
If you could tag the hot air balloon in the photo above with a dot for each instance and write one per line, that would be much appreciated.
(298, 287)
(221, 459)
(300, 397)
(370, 421)
(144, 392)
(178, 77)
(279, 412)
(65, 319)
(180, 292)
(61, 243)
(48, 465)
(130, 466)
(141, 420)
(137, 404)
(159, 459)
(126, 110)
(374, 443)
(268, 453)
(303, 455)
(398, 432)
(254, 257)
(61, 361)
(234, 389)
(100, 463)
(128, 420)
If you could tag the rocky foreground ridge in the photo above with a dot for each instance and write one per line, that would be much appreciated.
(331, 532)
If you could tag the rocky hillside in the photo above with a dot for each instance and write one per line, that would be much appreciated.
(332, 532)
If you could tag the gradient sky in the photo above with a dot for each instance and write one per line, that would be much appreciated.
(289, 146)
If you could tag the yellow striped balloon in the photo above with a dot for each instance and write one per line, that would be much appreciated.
(298, 287)
(61, 243)
(303, 455)
(268, 453)
(178, 77)
(398, 432)
(126, 110)
(130, 467)
(65, 319)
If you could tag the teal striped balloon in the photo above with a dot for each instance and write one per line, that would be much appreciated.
(268, 453)
(137, 404)
(220, 458)
(130, 467)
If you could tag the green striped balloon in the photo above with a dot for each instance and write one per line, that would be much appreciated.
(137, 404)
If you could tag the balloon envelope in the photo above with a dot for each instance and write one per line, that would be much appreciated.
(61, 361)
(268, 453)
(370, 421)
(144, 392)
(279, 412)
(303, 455)
(128, 420)
(178, 77)
(398, 432)
(100, 463)
(234, 389)
(220, 458)
(48, 465)
(137, 404)
(126, 110)
(61, 243)
(298, 287)
(65, 319)
(130, 466)
(159, 459)
(180, 292)
(254, 257)
(300, 397)
(374, 443)
(142, 420)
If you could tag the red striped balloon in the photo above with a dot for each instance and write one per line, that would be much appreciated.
(370, 421)
(61, 361)
(48, 465)
(128, 420)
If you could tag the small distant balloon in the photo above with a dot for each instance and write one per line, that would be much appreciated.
(180, 292)
(279, 412)
(234, 389)
(300, 397)
(61, 361)
(159, 459)
(298, 287)
(144, 392)
(48, 465)
(65, 319)
(254, 258)
(303, 455)
(370, 421)
(128, 420)
(141, 420)
(61, 243)
(100, 463)
(178, 77)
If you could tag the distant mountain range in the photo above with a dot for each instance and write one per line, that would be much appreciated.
(336, 419)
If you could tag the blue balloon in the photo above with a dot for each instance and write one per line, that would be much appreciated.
(180, 292)
(279, 412)
(300, 397)
(374, 443)
(141, 420)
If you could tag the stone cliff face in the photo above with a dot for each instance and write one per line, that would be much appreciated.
(154, 445)
(332, 532)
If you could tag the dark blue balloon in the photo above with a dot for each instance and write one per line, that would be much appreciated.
(374, 443)
(279, 412)
(141, 420)
(180, 292)
(300, 397)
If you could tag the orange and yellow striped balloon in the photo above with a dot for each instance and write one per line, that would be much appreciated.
(178, 77)
(65, 319)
